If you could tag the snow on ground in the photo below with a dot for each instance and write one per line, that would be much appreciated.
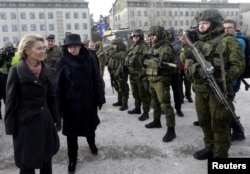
(127, 147)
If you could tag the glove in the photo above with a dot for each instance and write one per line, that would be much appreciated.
(59, 125)
(100, 106)
(189, 55)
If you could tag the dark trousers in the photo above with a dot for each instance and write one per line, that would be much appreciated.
(175, 85)
(187, 84)
(73, 145)
(235, 127)
(46, 169)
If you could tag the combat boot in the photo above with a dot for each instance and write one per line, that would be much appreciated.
(0, 116)
(117, 103)
(124, 107)
(135, 111)
(196, 123)
(154, 124)
(203, 154)
(170, 135)
(179, 113)
(144, 116)
(190, 100)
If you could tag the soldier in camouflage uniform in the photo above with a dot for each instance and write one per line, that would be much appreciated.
(159, 76)
(53, 53)
(102, 58)
(213, 116)
(118, 73)
(138, 78)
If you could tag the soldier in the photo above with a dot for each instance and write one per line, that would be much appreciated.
(214, 117)
(53, 53)
(102, 58)
(138, 78)
(159, 76)
(175, 80)
(118, 73)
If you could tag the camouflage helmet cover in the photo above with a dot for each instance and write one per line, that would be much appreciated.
(212, 15)
(137, 33)
(116, 42)
(159, 31)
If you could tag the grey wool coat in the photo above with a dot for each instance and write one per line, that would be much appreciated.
(31, 114)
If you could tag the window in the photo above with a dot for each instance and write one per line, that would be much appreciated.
(77, 26)
(68, 26)
(186, 13)
(175, 23)
(132, 14)
(181, 13)
(158, 13)
(84, 15)
(14, 27)
(15, 39)
(85, 37)
(5, 28)
(24, 27)
(51, 27)
(139, 24)
(76, 15)
(32, 15)
(187, 22)
(132, 24)
(67, 15)
(192, 13)
(170, 23)
(146, 24)
(42, 27)
(50, 15)
(232, 13)
(12, 15)
(176, 13)
(41, 15)
(145, 13)
(6, 39)
(181, 23)
(170, 13)
(138, 13)
(84, 26)
(164, 13)
(33, 27)
(23, 15)
(3, 15)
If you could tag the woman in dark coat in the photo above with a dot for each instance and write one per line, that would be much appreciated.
(79, 92)
(31, 109)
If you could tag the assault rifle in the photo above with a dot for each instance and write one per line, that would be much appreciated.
(159, 61)
(206, 71)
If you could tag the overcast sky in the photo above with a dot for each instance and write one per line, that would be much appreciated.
(102, 7)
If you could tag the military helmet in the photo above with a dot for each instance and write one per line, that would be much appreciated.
(159, 31)
(211, 15)
(138, 33)
(116, 42)
(8, 46)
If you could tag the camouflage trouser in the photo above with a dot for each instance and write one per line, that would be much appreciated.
(214, 120)
(160, 96)
(140, 94)
(123, 90)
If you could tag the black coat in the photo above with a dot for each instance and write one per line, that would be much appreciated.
(31, 111)
(79, 92)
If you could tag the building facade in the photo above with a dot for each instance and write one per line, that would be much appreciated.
(142, 14)
(58, 17)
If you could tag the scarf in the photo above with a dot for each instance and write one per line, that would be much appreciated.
(34, 69)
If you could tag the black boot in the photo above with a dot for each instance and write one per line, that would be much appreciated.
(203, 154)
(179, 112)
(154, 124)
(170, 135)
(190, 100)
(117, 104)
(135, 111)
(93, 149)
(72, 167)
(91, 143)
(144, 116)
(124, 107)
(196, 123)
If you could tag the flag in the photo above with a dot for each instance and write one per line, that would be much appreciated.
(102, 27)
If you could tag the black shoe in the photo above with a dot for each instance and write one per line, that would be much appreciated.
(203, 154)
(123, 107)
(237, 136)
(135, 111)
(190, 100)
(93, 149)
(154, 124)
(196, 123)
(72, 166)
(144, 116)
(117, 104)
(1, 117)
(179, 113)
(170, 135)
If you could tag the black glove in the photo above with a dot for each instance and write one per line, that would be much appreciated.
(59, 125)
(189, 55)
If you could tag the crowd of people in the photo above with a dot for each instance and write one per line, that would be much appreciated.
(50, 85)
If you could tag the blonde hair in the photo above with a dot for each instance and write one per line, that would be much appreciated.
(27, 42)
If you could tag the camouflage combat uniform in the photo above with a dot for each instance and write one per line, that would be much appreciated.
(119, 73)
(159, 76)
(138, 78)
(213, 116)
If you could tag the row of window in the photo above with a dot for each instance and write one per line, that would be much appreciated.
(164, 23)
(41, 15)
(175, 13)
(42, 27)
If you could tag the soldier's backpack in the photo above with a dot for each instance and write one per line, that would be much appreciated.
(246, 73)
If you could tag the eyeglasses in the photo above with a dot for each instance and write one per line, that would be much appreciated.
(228, 28)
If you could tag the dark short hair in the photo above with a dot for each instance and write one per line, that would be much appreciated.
(230, 21)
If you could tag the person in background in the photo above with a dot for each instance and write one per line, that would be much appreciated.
(213, 116)
(102, 59)
(175, 80)
(32, 116)
(79, 93)
(230, 28)
(53, 52)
